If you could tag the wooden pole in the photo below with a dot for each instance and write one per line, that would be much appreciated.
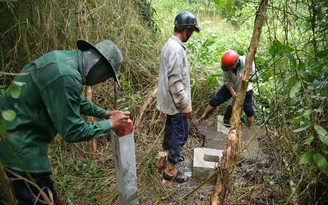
(230, 154)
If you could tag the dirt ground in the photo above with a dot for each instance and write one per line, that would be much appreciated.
(196, 191)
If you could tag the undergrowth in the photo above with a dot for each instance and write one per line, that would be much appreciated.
(290, 97)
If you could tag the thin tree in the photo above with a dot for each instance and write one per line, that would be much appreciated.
(230, 154)
(88, 90)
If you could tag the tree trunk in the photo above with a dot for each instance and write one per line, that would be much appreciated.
(226, 166)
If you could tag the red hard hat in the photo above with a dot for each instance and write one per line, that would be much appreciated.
(229, 60)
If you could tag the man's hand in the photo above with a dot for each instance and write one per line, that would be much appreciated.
(232, 92)
(186, 112)
(118, 119)
(109, 113)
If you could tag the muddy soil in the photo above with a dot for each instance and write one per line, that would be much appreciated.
(196, 191)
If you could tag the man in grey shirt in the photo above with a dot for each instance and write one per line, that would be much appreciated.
(173, 93)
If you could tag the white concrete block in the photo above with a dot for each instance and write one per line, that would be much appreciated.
(205, 161)
(220, 125)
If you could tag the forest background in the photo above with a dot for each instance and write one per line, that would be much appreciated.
(290, 96)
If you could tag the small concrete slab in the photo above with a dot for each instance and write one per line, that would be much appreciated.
(220, 125)
(205, 161)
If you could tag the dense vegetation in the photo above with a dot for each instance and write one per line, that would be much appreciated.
(290, 95)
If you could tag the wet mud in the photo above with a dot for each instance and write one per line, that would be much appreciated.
(197, 191)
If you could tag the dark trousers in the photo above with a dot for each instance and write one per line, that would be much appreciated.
(224, 94)
(175, 136)
(27, 194)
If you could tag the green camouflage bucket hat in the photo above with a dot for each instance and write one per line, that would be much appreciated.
(109, 51)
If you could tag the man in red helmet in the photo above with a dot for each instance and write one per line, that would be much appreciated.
(232, 65)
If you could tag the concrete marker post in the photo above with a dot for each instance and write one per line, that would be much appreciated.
(125, 164)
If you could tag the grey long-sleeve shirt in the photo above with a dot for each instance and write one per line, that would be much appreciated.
(173, 92)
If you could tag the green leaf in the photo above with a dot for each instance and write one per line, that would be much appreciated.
(14, 91)
(306, 157)
(291, 58)
(324, 149)
(307, 112)
(320, 130)
(322, 54)
(323, 136)
(321, 162)
(294, 121)
(295, 89)
(8, 115)
(220, 4)
(302, 128)
(280, 49)
(309, 140)
(272, 51)
(20, 84)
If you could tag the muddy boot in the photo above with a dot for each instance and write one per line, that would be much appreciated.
(227, 115)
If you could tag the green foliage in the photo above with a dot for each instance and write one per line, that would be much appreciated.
(14, 89)
(304, 91)
(293, 87)
(147, 12)
(322, 134)
(278, 48)
(9, 115)
(228, 8)
(291, 60)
